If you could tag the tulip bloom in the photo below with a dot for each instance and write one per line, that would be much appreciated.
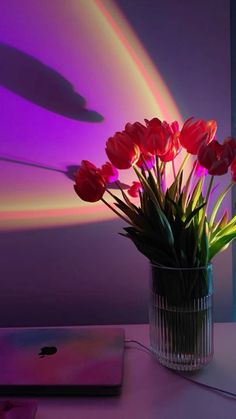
(233, 169)
(89, 182)
(195, 133)
(213, 158)
(121, 151)
(162, 139)
(109, 172)
(174, 148)
(229, 151)
(134, 189)
(157, 138)
(136, 132)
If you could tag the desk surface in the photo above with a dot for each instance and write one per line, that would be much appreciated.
(152, 391)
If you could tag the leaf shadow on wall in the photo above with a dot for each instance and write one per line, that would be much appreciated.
(31, 79)
(69, 171)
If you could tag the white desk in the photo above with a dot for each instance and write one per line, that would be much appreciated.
(151, 391)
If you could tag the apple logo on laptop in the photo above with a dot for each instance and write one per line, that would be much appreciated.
(47, 350)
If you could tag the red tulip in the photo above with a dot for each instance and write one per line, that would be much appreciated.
(229, 151)
(174, 149)
(213, 158)
(158, 137)
(195, 133)
(121, 151)
(136, 132)
(233, 169)
(109, 172)
(134, 189)
(89, 183)
(162, 139)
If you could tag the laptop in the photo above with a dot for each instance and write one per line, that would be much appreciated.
(65, 361)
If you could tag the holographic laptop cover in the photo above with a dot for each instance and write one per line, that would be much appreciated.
(61, 361)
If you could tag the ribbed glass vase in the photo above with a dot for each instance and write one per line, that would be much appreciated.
(180, 315)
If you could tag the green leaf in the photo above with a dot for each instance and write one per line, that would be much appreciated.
(231, 229)
(137, 219)
(154, 249)
(157, 217)
(193, 213)
(204, 248)
(194, 198)
(147, 188)
(216, 228)
(177, 208)
(217, 205)
(153, 184)
(224, 220)
(186, 188)
(128, 204)
(180, 182)
(220, 244)
(169, 210)
(230, 223)
(172, 190)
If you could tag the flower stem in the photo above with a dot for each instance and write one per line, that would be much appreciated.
(183, 164)
(173, 168)
(164, 178)
(209, 191)
(144, 163)
(158, 172)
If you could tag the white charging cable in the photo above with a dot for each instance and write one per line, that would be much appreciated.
(216, 389)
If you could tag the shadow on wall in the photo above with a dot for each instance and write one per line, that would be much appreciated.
(28, 77)
(73, 275)
(69, 171)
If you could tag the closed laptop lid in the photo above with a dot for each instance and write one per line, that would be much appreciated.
(62, 360)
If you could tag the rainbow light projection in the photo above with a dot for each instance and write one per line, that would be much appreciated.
(90, 44)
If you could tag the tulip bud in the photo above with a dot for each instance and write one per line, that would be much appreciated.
(136, 132)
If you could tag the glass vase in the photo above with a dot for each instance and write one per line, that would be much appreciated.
(180, 315)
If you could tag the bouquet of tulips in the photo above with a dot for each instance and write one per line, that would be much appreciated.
(169, 222)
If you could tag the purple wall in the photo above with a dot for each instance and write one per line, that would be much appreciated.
(190, 45)
(66, 270)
